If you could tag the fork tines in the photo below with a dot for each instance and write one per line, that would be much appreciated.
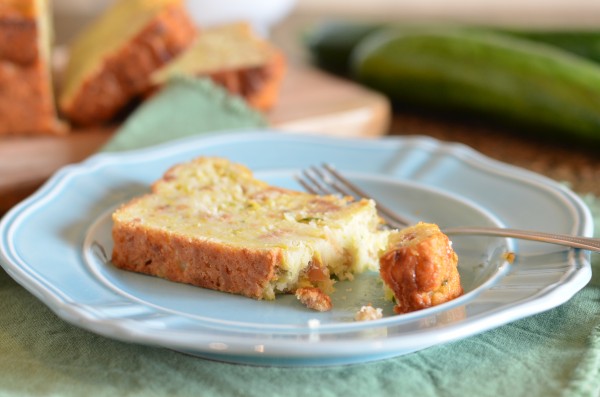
(325, 179)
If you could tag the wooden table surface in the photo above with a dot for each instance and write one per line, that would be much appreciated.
(578, 166)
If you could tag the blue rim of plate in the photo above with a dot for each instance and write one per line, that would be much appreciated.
(451, 171)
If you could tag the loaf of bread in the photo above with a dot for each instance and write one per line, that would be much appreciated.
(210, 223)
(419, 268)
(26, 93)
(235, 57)
(111, 62)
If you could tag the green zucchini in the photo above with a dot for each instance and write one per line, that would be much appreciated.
(585, 43)
(512, 81)
(330, 44)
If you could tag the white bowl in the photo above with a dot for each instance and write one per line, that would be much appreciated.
(262, 14)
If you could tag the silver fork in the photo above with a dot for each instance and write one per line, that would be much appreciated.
(327, 180)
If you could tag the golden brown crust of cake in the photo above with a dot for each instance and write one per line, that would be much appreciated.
(26, 99)
(201, 263)
(258, 85)
(18, 32)
(125, 74)
(420, 267)
(26, 8)
(26, 103)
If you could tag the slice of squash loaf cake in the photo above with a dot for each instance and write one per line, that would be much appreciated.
(233, 56)
(111, 61)
(210, 223)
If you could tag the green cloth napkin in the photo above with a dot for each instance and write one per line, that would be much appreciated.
(185, 107)
(555, 353)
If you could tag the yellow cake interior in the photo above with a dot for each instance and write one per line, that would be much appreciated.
(222, 48)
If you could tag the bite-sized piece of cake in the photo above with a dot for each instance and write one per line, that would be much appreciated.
(419, 268)
(26, 92)
(234, 57)
(210, 223)
(314, 298)
(111, 61)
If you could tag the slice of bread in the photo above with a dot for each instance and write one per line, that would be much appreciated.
(111, 62)
(26, 93)
(210, 223)
(419, 268)
(235, 57)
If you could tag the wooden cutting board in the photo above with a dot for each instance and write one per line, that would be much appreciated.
(310, 101)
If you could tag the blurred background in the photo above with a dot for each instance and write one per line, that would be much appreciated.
(72, 15)
(529, 12)
(286, 23)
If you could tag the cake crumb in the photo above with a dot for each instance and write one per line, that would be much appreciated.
(314, 298)
(368, 313)
(510, 257)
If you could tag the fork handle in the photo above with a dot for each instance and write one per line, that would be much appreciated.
(587, 243)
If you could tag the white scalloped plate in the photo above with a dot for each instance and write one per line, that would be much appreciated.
(56, 245)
